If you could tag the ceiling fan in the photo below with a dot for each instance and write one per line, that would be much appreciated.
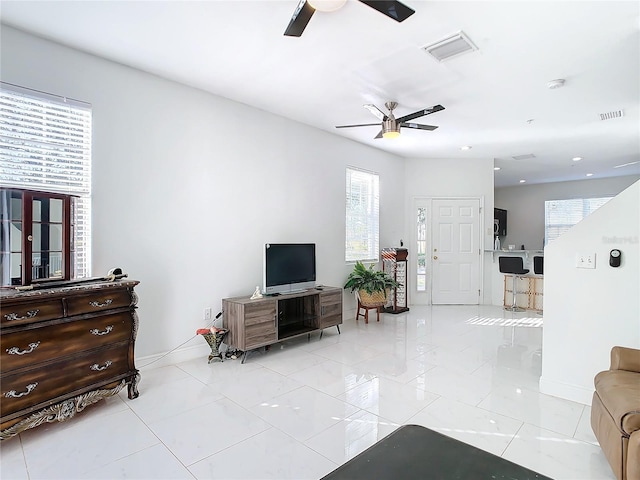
(306, 8)
(391, 125)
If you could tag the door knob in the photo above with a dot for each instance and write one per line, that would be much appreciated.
(435, 257)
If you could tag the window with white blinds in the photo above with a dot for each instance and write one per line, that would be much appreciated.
(45, 145)
(362, 216)
(561, 215)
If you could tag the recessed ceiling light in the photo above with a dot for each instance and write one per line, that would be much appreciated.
(465, 147)
(589, 174)
(496, 168)
(522, 181)
(576, 159)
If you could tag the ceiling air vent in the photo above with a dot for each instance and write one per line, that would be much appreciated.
(526, 156)
(610, 115)
(450, 47)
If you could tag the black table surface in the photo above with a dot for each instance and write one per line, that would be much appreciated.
(413, 452)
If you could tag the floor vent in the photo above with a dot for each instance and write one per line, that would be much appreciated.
(452, 46)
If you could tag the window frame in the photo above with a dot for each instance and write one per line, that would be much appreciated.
(571, 217)
(45, 147)
(362, 216)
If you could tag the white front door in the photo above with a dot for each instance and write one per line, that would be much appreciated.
(455, 257)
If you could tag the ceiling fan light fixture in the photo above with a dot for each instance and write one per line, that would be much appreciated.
(390, 128)
(391, 134)
(327, 5)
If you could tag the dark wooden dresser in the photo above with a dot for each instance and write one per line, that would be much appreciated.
(64, 348)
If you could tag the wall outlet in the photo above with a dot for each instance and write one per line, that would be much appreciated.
(585, 260)
(207, 313)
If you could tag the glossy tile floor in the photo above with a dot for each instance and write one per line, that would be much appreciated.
(304, 407)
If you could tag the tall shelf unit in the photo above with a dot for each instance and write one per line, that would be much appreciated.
(394, 262)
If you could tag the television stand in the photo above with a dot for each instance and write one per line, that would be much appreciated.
(264, 321)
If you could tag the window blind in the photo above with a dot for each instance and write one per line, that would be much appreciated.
(561, 215)
(362, 216)
(45, 145)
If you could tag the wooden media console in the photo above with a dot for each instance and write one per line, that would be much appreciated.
(271, 319)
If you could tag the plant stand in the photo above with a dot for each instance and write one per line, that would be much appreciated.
(214, 340)
(368, 302)
(366, 309)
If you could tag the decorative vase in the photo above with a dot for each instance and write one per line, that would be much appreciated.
(215, 340)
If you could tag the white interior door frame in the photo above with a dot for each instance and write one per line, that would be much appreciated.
(425, 297)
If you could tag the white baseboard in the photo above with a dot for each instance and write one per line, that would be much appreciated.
(176, 356)
(192, 352)
(568, 391)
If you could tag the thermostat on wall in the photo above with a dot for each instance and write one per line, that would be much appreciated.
(615, 256)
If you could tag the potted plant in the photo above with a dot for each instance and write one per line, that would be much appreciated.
(370, 285)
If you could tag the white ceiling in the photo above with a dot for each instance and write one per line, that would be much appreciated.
(496, 99)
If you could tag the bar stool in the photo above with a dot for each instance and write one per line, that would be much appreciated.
(538, 265)
(513, 266)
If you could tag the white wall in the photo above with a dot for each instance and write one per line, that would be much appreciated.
(588, 311)
(525, 205)
(448, 178)
(188, 186)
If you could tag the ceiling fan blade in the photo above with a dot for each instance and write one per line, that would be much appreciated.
(392, 9)
(421, 113)
(376, 111)
(300, 19)
(361, 125)
(379, 135)
(418, 126)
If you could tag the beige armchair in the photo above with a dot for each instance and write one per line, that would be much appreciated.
(615, 412)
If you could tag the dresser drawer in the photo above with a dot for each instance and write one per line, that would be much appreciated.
(259, 313)
(260, 324)
(97, 301)
(37, 386)
(331, 298)
(331, 309)
(46, 343)
(29, 312)
(260, 334)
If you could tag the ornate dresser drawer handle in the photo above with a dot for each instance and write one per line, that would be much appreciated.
(97, 368)
(106, 303)
(17, 351)
(14, 316)
(95, 331)
(14, 394)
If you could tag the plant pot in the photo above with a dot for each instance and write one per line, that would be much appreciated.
(375, 299)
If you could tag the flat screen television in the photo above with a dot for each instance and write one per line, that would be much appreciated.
(289, 267)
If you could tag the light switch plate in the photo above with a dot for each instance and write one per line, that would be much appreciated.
(585, 260)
